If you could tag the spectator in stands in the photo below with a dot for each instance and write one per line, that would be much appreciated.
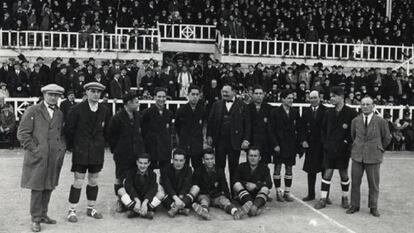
(7, 124)
(4, 93)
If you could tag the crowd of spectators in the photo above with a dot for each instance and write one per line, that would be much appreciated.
(19, 78)
(345, 21)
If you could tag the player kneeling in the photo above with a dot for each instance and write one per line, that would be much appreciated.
(140, 192)
(252, 184)
(214, 191)
(176, 179)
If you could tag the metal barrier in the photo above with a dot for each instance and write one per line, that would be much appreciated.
(20, 104)
(78, 41)
(187, 32)
(317, 50)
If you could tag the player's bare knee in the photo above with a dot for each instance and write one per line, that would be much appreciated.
(194, 190)
(237, 187)
(121, 192)
(92, 181)
(265, 190)
(77, 183)
(160, 194)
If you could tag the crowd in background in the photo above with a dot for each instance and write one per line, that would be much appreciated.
(19, 78)
(344, 21)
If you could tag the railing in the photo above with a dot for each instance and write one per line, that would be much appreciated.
(317, 50)
(128, 30)
(407, 65)
(20, 104)
(187, 32)
(78, 41)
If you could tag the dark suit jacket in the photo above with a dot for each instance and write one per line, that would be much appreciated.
(116, 89)
(369, 143)
(87, 135)
(286, 131)
(156, 130)
(189, 126)
(262, 134)
(336, 132)
(310, 131)
(126, 140)
(240, 122)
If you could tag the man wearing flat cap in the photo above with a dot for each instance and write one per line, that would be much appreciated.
(86, 130)
(41, 134)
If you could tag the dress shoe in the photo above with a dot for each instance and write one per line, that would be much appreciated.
(172, 212)
(308, 198)
(36, 227)
(47, 220)
(374, 212)
(345, 203)
(149, 215)
(352, 210)
(321, 204)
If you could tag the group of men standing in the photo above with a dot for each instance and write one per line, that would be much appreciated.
(142, 142)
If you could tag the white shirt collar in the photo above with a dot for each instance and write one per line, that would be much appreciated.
(369, 117)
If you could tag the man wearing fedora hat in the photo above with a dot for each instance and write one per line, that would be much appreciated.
(41, 135)
(86, 130)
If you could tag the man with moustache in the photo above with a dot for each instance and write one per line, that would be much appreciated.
(228, 129)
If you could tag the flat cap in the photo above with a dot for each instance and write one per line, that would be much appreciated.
(53, 88)
(94, 85)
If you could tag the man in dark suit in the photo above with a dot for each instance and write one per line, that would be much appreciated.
(189, 122)
(286, 121)
(336, 140)
(371, 135)
(310, 139)
(116, 90)
(126, 141)
(157, 130)
(262, 135)
(86, 131)
(228, 129)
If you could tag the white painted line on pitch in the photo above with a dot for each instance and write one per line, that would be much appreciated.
(331, 220)
(399, 158)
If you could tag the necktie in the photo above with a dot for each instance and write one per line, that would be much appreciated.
(52, 107)
(314, 112)
(366, 122)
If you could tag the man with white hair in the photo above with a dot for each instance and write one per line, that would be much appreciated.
(371, 135)
(310, 140)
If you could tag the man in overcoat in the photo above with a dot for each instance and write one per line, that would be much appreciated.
(157, 130)
(126, 141)
(41, 134)
(336, 140)
(86, 131)
(371, 135)
(189, 123)
(286, 120)
(228, 129)
(310, 139)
